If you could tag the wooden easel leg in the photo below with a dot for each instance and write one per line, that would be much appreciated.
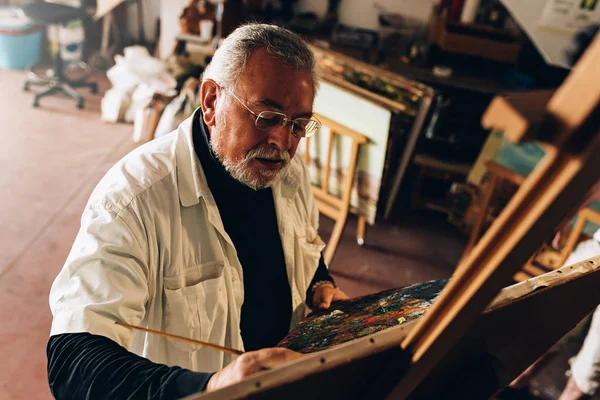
(361, 230)
(483, 210)
(332, 244)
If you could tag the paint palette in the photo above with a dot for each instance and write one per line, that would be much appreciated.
(352, 319)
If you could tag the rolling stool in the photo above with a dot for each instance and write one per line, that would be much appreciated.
(55, 80)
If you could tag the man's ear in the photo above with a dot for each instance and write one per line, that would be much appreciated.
(208, 101)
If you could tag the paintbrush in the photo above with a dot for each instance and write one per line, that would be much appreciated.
(184, 339)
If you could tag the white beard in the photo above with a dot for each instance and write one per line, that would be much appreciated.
(242, 172)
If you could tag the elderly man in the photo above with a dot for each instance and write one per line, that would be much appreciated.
(209, 232)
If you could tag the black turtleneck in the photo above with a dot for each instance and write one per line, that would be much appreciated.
(250, 220)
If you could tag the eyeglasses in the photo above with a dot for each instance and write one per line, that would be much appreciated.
(267, 120)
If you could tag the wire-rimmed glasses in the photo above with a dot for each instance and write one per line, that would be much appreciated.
(267, 120)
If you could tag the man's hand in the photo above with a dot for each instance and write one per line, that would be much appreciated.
(250, 363)
(326, 293)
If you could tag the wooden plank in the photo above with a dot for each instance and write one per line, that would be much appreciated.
(361, 230)
(341, 129)
(578, 96)
(488, 196)
(499, 173)
(336, 373)
(590, 215)
(521, 276)
(326, 197)
(349, 179)
(327, 168)
(517, 114)
(327, 209)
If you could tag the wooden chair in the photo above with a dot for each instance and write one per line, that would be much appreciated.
(518, 115)
(547, 258)
(334, 207)
(498, 173)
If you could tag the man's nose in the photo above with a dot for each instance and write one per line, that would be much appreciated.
(281, 137)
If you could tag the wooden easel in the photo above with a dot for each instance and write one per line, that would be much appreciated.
(571, 166)
(461, 335)
(337, 208)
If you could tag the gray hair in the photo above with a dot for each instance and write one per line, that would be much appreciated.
(230, 59)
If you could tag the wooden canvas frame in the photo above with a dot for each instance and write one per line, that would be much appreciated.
(448, 337)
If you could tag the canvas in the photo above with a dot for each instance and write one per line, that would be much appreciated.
(352, 319)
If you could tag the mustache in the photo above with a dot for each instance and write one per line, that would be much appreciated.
(268, 152)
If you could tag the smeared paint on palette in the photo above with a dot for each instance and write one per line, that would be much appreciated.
(353, 319)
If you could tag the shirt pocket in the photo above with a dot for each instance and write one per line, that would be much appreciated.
(193, 299)
(310, 241)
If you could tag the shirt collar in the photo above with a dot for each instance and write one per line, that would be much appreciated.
(191, 180)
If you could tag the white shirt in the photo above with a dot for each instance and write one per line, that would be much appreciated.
(152, 251)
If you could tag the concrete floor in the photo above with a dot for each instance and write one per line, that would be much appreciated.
(52, 157)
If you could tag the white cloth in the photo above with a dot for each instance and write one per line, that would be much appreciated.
(585, 367)
(152, 251)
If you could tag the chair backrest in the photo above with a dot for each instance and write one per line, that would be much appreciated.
(329, 204)
(548, 259)
(336, 129)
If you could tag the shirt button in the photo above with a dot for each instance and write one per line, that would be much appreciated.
(234, 278)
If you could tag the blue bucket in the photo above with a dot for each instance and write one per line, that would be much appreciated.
(20, 39)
